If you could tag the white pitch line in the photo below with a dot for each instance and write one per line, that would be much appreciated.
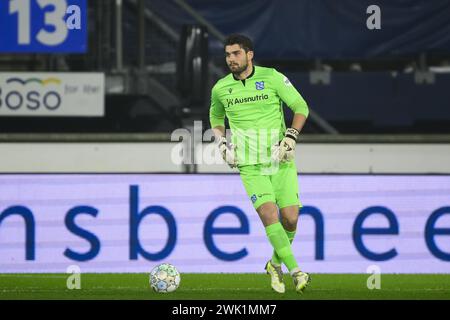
(4, 275)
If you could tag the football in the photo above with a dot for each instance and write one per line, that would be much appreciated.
(164, 278)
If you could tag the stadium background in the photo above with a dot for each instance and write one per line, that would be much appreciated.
(375, 152)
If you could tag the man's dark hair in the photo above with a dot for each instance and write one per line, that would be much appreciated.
(243, 41)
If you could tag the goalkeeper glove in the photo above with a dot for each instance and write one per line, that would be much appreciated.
(285, 151)
(228, 154)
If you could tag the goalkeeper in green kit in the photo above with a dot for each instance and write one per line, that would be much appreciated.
(262, 148)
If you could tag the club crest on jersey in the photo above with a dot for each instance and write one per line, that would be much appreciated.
(259, 85)
(230, 90)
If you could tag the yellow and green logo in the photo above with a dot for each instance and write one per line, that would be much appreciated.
(43, 82)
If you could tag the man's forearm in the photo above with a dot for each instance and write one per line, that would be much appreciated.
(219, 131)
(298, 122)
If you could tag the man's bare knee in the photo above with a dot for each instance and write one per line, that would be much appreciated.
(289, 223)
(268, 213)
(289, 217)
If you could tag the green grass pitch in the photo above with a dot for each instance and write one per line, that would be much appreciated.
(224, 287)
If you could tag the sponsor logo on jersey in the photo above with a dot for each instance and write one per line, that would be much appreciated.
(259, 85)
(259, 97)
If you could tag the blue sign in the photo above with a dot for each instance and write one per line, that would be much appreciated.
(43, 26)
(123, 223)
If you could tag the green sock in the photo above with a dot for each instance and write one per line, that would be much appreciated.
(280, 242)
(275, 258)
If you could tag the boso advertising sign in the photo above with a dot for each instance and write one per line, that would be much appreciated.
(50, 26)
(52, 94)
(205, 223)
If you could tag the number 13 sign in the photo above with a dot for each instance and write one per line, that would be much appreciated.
(46, 26)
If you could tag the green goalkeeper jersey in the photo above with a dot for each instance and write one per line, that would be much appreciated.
(254, 111)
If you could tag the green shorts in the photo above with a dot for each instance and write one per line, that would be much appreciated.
(275, 184)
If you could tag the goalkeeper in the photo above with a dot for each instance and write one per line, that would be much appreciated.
(262, 148)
